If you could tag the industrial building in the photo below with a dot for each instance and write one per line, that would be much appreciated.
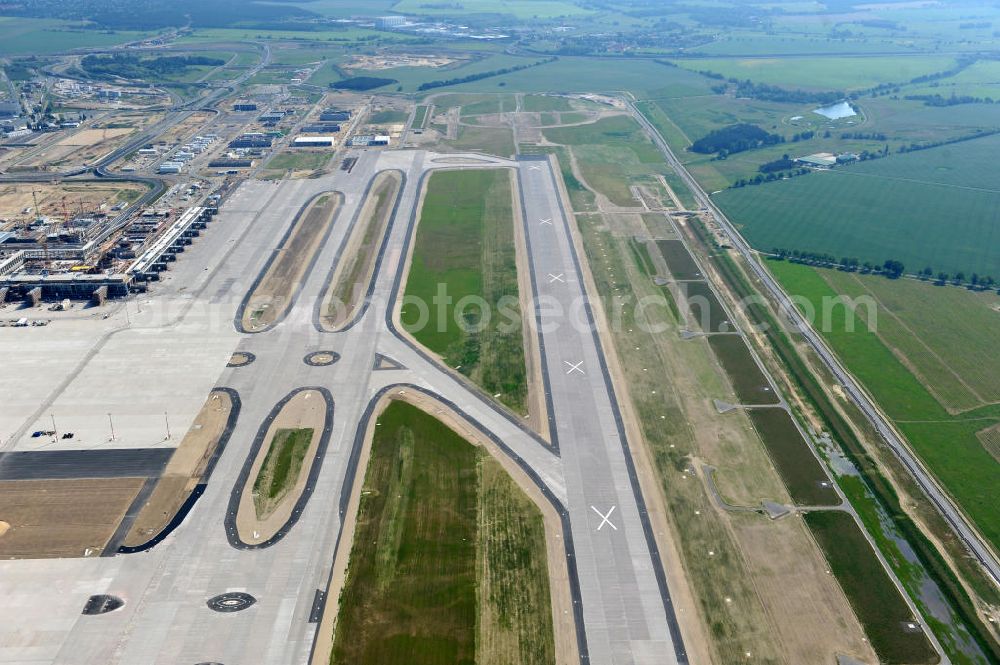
(365, 140)
(226, 163)
(171, 167)
(323, 128)
(389, 22)
(314, 142)
(334, 115)
(271, 117)
(244, 106)
(820, 160)
(252, 140)
(26, 274)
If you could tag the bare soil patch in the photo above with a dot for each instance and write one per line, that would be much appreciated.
(273, 295)
(347, 287)
(184, 471)
(62, 518)
(376, 62)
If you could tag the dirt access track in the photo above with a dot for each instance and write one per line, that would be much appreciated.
(276, 287)
(186, 469)
(306, 409)
(346, 289)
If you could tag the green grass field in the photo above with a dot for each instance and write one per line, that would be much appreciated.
(947, 443)
(540, 103)
(612, 153)
(448, 563)
(929, 208)
(955, 361)
(280, 469)
(389, 116)
(878, 604)
(420, 116)
(299, 161)
(465, 244)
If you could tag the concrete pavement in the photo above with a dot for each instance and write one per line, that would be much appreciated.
(621, 596)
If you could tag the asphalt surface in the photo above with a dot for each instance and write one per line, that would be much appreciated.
(620, 593)
(68, 464)
(959, 523)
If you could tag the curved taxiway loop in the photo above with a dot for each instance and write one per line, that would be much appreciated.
(390, 317)
(232, 531)
(601, 474)
(287, 307)
(351, 478)
(386, 233)
(234, 413)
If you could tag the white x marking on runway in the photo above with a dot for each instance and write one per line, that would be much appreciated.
(556, 278)
(535, 167)
(605, 519)
(573, 367)
(545, 221)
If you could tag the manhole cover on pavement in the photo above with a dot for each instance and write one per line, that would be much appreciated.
(241, 359)
(233, 601)
(321, 358)
(102, 604)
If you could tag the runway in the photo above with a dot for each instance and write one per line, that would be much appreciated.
(621, 595)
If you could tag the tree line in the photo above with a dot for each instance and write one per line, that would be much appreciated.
(482, 75)
(129, 66)
(890, 268)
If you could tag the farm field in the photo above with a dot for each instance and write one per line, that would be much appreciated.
(21, 36)
(579, 74)
(478, 594)
(929, 208)
(410, 78)
(947, 443)
(523, 9)
(829, 73)
(465, 241)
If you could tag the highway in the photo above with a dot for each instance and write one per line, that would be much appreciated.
(957, 520)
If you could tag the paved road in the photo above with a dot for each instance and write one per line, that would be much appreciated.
(974, 542)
